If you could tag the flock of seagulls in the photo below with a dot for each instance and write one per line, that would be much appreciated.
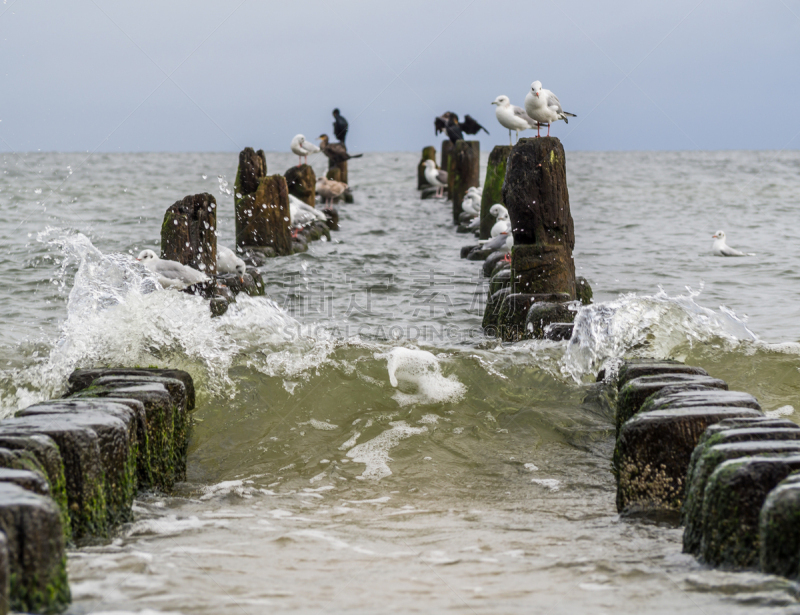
(542, 108)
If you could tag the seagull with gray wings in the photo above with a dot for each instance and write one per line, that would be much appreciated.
(435, 177)
(544, 107)
(512, 117)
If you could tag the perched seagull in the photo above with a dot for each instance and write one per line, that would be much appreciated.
(302, 213)
(336, 152)
(171, 274)
(502, 243)
(339, 126)
(503, 224)
(435, 177)
(543, 107)
(329, 189)
(512, 117)
(228, 262)
(471, 204)
(303, 148)
(720, 248)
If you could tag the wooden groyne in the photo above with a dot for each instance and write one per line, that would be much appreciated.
(690, 450)
(71, 467)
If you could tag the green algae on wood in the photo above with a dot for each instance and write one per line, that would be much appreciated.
(36, 551)
(732, 503)
(493, 187)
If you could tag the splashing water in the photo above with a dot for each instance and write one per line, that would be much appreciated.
(421, 376)
(650, 326)
(118, 315)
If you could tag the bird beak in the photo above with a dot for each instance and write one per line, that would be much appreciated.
(536, 94)
(714, 237)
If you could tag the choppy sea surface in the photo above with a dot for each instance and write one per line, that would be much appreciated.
(480, 483)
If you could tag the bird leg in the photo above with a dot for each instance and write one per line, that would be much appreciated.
(548, 130)
(509, 137)
(538, 128)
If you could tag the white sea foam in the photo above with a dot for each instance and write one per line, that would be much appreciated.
(418, 377)
(375, 453)
(549, 483)
(779, 412)
(321, 425)
(117, 314)
(651, 325)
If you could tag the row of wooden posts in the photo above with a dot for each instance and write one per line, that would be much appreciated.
(530, 295)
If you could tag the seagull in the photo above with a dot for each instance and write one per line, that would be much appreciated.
(544, 107)
(329, 189)
(336, 152)
(502, 243)
(303, 148)
(471, 203)
(228, 262)
(720, 248)
(302, 213)
(503, 224)
(171, 274)
(435, 177)
(512, 117)
(339, 126)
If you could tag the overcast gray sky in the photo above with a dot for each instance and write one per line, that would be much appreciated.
(205, 75)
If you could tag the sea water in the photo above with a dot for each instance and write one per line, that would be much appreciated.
(359, 445)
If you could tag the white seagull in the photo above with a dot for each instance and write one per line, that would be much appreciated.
(502, 243)
(435, 177)
(303, 148)
(228, 262)
(543, 107)
(302, 213)
(720, 248)
(503, 224)
(512, 117)
(171, 274)
(471, 203)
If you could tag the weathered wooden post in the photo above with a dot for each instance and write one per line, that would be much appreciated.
(188, 233)
(542, 269)
(465, 163)
(536, 196)
(493, 186)
(261, 207)
(428, 153)
(302, 182)
(447, 149)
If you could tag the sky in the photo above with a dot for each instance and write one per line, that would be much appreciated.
(206, 75)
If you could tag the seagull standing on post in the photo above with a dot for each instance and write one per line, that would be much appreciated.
(435, 177)
(339, 126)
(303, 148)
(544, 107)
(512, 117)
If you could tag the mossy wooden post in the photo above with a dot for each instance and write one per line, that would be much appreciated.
(302, 182)
(262, 218)
(428, 153)
(535, 194)
(252, 167)
(188, 232)
(447, 150)
(493, 186)
(465, 164)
